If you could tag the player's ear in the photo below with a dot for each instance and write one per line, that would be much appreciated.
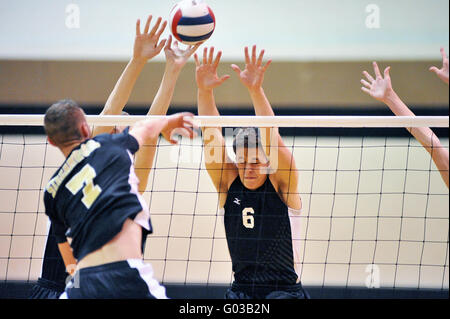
(51, 142)
(85, 130)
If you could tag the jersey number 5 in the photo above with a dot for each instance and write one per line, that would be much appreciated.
(247, 217)
(84, 179)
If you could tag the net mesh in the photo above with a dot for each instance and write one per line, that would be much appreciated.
(375, 212)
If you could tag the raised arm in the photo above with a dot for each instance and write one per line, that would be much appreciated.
(146, 46)
(285, 174)
(67, 256)
(252, 77)
(176, 59)
(220, 168)
(380, 88)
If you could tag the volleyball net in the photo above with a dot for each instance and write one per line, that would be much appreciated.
(375, 209)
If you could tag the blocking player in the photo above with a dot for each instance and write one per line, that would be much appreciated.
(380, 88)
(145, 48)
(147, 45)
(93, 202)
(258, 194)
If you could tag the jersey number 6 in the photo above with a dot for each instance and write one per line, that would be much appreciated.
(247, 217)
(84, 179)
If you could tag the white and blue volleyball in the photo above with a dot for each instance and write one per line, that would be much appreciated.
(192, 21)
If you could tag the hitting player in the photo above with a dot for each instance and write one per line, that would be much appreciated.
(93, 203)
(146, 46)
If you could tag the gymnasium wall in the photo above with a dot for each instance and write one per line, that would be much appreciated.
(306, 86)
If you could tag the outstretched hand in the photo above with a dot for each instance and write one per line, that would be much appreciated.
(206, 71)
(252, 76)
(179, 124)
(147, 44)
(176, 57)
(379, 88)
(442, 73)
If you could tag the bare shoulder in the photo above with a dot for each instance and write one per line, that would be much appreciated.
(230, 173)
(288, 193)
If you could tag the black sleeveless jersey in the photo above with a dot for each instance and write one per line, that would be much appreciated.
(94, 191)
(259, 237)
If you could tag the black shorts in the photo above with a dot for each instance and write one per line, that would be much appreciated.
(128, 279)
(252, 291)
(46, 289)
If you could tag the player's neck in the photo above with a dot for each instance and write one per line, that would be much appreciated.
(68, 148)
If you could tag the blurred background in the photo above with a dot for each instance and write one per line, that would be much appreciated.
(56, 49)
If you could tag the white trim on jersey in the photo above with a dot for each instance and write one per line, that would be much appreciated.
(146, 272)
(296, 230)
(143, 218)
(221, 214)
(295, 211)
(49, 223)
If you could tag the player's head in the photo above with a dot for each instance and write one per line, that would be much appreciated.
(251, 159)
(65, 124)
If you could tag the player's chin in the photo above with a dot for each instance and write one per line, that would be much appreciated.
(253, 182)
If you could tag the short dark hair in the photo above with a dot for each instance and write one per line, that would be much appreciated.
(62, 122)
(247, 137)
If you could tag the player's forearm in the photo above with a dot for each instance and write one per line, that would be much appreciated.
(433, 146)
(213, 141)
(123, 88)
(207, 103)
(270, 136)
(441, 159)
(67, 256)
(121, 93)
(147, 132)
(144, 164)
(146, 154)
(212, 136)
(281, 160)
(439, 154)
(261, 103)
(423, 134)
(396, 105)
(165, 92)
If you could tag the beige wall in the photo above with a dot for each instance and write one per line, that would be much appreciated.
(287, 84)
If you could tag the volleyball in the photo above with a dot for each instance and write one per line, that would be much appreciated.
(192, 21)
